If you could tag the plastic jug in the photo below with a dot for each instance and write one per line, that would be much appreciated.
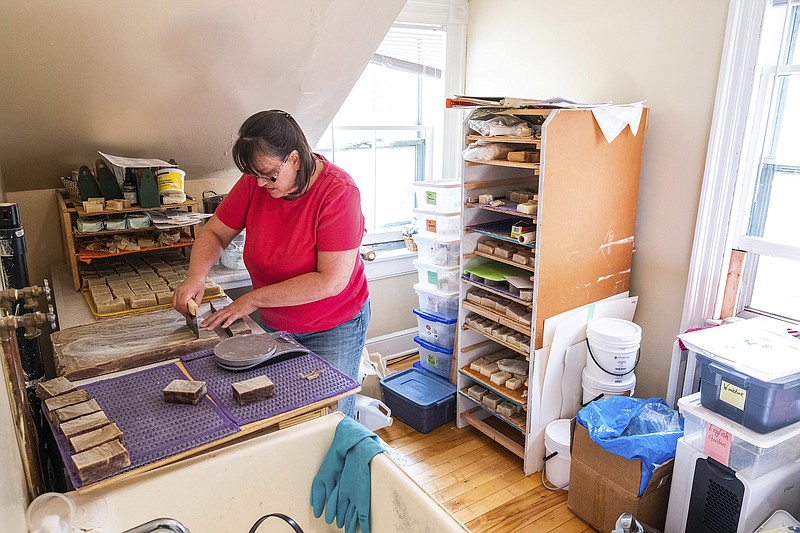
(371, 413)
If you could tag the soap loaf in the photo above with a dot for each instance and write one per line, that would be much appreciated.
(254, 389)
(184, 391)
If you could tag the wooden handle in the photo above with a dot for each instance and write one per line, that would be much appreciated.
(192, 305)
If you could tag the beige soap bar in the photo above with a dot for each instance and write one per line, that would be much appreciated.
(184, 391)
(83, 442)
(54, 387)
(252, 390)
(63, 400)
(74, 411)
(101, 461)
(84, 424)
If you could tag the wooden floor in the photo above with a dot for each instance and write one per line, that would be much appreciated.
(478, 480)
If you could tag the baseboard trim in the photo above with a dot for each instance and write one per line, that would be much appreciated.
(395, 344)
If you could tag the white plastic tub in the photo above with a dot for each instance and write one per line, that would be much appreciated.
(442, 225)
(443, 196)
(437, 251)
(436, 330)
(444, 279)
(435, 358)
(556, 441)
(444, 304)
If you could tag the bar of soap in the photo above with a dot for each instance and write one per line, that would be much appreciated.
(499, 378)
(101, 461)
(513, 383)
(476, 392)
(489, 369)
(528, 208)
(84, 424)
(254, 389)
(185, 391)
(54, 387)
(83, 442)
(63, 400)
(72, 412)
(492, 400)
(506, 408)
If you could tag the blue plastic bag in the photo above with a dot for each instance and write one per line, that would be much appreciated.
(634, 428)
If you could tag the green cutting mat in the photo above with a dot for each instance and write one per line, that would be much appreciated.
(496, 271)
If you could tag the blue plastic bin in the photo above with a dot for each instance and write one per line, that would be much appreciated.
(422, 401)
(436, 329)
(435, 358)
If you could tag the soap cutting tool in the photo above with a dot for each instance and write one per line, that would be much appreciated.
(191, 320)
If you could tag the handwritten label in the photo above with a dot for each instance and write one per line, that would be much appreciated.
(430, 225)
(430, 197)
(717, 444)
(733, 395)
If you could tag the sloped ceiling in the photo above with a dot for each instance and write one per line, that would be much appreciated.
(169, 79)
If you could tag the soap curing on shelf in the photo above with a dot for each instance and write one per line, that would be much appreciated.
(78, 231)
(548, 223)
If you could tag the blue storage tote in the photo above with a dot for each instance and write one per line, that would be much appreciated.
(435, 358)
(436, 329)
(421, 368)
(422, 401)
(762, 406)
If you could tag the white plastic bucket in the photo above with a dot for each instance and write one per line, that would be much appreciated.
(613, 349)
(593, 388)
(556, 441)
(371, 413)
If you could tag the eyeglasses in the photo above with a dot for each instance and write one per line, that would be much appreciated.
(274, 177)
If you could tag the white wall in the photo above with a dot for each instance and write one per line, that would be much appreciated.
(667, 53)
(13, 490)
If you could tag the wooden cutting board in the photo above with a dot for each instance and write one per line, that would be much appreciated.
(133, 341)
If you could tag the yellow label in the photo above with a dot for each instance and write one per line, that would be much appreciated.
(733, 395)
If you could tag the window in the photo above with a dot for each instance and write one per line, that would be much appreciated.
(751, 190)
(392, 130)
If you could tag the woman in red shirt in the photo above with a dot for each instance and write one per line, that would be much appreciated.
(304, 227)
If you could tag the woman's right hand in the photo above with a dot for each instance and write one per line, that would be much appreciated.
(190, 289)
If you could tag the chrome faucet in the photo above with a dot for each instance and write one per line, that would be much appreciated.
(166, 524)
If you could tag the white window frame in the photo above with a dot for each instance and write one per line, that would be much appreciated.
(716, 231)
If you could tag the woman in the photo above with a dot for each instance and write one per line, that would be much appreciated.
(304, 228)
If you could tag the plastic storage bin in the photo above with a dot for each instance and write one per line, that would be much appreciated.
(442, 225)
(751, 454)
(421, 368)
(443, 196)
(762, 406)
(437, 251)
(444, 279)
(422, 401)
(435, 358)
(444, 304)
(436, 330)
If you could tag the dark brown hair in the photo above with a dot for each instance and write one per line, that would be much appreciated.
(274, 134)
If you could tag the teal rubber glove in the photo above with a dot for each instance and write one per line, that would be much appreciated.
(348, 434)
(355, 489)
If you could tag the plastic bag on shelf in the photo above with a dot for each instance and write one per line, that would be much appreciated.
(634, 428)
(502, 125)
(481, 151)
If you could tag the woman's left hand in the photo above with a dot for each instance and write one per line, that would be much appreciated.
(228, 314)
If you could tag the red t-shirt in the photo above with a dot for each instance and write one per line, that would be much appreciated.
(284, 236)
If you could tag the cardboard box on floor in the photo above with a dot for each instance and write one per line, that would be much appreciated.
(603, 485)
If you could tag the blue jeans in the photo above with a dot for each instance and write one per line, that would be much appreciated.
(341, 347)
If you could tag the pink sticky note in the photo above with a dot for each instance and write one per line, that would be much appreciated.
(717, 444)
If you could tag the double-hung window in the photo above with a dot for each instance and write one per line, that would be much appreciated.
(392, 129)
(750, 204)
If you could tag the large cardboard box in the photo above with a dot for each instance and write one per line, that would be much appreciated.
(602, 486)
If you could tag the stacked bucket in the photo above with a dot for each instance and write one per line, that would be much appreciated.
(613, 349)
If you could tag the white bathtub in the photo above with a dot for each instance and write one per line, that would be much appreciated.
(228, 490)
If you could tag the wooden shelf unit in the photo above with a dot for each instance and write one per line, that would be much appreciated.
(587, 193)
(70, 236)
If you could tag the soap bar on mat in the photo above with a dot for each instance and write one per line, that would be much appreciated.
(72, 412)
(254, 389)
(185, 391)
(54, 387)
(83, 424)
(81, 443)
(71, 398)
(101, 461)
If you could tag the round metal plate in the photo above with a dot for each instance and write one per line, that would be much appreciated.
(242, 350)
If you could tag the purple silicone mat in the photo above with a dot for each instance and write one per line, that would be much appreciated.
(152, 428)
(291, 389)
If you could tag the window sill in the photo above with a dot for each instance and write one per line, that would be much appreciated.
(390, 263)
